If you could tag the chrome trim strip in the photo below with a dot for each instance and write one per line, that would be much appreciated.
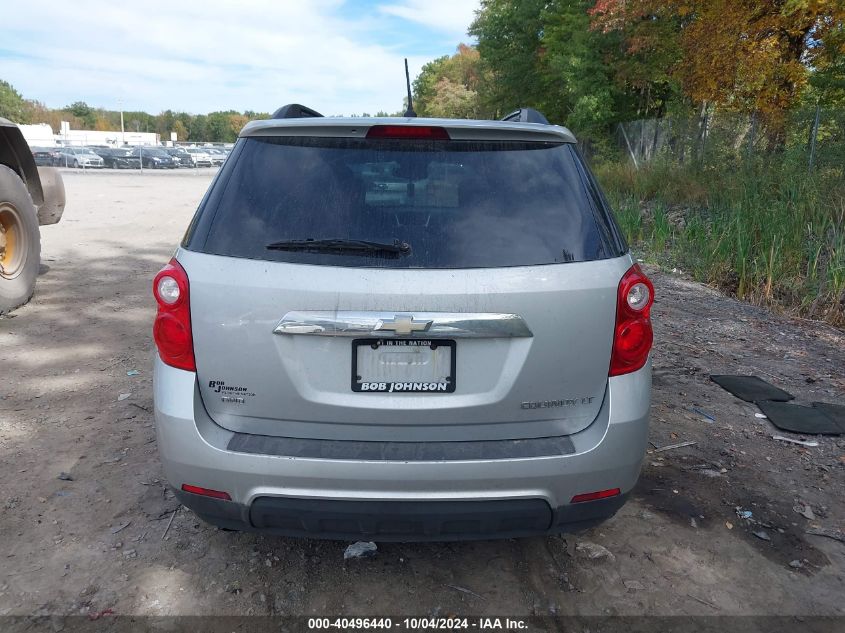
(403, 324)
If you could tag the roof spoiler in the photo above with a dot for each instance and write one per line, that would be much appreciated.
(295, 111)
(526, 115)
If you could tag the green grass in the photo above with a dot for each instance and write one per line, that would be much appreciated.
(771, 234)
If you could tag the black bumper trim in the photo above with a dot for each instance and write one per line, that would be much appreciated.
(401, 451)
(402, 521)
(399, 520)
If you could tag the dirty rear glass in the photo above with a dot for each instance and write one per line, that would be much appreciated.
(457, 204)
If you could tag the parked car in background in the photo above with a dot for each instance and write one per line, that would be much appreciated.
(117, 157)
(79, 157)
(182, 158)
(200, 157)
(154, 157)
(218, 156)
(46, 156)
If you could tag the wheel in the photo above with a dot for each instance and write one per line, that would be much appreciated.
(76, 163)
(20, 242)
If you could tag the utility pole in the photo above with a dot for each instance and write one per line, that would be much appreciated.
(122, 137)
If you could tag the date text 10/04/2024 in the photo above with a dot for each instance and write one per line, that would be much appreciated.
(418, 624)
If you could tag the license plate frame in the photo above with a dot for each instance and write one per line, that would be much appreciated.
(391, 387)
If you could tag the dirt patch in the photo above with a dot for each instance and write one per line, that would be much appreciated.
(770, 526)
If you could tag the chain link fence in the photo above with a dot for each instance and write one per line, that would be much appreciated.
(814, 136)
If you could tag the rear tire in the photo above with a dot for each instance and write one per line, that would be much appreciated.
(20, 242)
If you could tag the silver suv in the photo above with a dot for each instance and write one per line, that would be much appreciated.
(402, 329)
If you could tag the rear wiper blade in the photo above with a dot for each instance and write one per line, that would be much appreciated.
(363, 247)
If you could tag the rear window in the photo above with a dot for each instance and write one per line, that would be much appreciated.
(458, 204)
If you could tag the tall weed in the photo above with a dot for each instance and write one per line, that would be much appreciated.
(769, 233)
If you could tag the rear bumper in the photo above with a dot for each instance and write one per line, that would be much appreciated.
(401, 500)
(401, 520)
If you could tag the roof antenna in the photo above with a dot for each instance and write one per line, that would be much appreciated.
(410, 111)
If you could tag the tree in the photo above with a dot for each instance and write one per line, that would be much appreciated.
(453, 101)
(425, 83)
(164, 122)
(216, 126)
(102, 123)
(180, 129)
(221, 126)
(746, 55)
(545, 55)
(12, 104)
(236, 124)
(139, 121)
(578, 74)
(42, 114)
(509, 34)
(83, 112)
(197, 128)
(827, 76)
(448, 86)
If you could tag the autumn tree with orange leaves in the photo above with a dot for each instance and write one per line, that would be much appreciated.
(744, 55)
(593, 63)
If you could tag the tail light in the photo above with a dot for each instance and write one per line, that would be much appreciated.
(172, 326)
(633, 335)
(593, 496)
(206, 492)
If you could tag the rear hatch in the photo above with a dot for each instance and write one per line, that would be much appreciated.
(403, 288)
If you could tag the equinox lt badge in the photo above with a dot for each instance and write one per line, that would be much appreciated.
(551, 404)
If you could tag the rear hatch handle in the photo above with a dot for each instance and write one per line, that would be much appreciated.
(403, 324)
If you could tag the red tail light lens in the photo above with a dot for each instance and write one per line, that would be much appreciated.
(172, 326)
(633, 335)
(206, 492)
(595, 496)
(423, 132)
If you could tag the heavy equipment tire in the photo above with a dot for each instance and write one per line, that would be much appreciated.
(20, 242)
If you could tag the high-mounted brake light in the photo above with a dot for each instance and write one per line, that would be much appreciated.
(206, 492)
(172, 326)
(632, 336)
(420, 132)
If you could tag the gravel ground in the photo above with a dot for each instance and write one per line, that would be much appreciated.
(94, 541)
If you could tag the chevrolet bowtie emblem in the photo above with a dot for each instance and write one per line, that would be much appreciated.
(402, 324)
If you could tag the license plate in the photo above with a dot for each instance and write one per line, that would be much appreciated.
(382, 365)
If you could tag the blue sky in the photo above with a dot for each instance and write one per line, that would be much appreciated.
(336, 56)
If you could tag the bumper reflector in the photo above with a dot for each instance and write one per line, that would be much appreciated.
(594, 496)
(206, 492)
